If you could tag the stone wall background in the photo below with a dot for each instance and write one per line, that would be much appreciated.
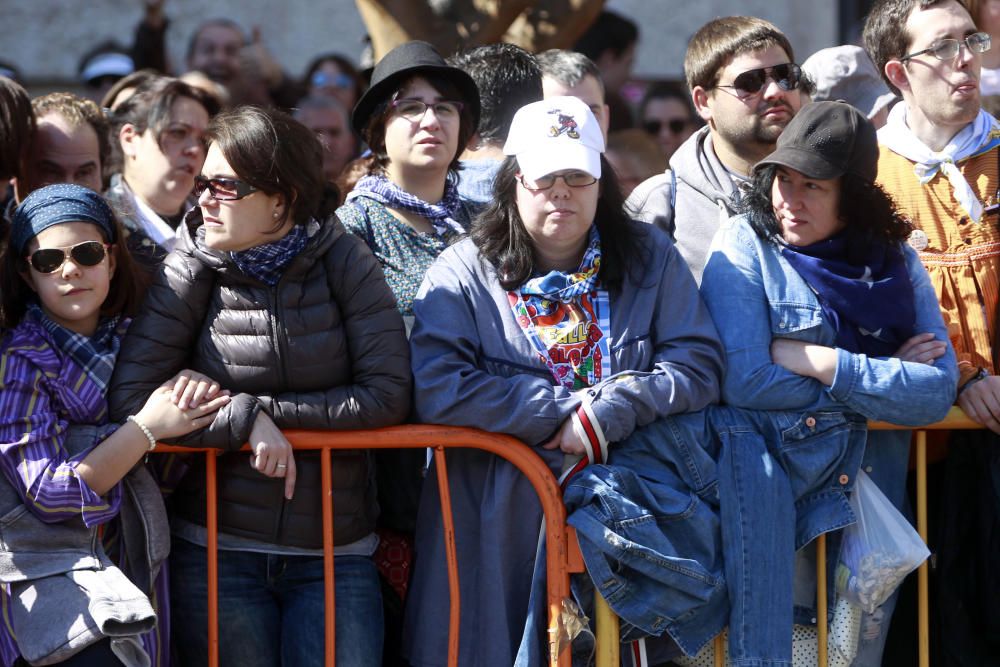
(45, 38)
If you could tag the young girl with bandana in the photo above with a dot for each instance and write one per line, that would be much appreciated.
(559, 322)
(85, 529)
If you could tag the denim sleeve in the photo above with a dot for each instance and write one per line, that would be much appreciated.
(902, 392)
(733, 289)
(688, 359)
(448, 350)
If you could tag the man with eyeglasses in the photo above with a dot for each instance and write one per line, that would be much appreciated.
(939, 161)
(745, 85)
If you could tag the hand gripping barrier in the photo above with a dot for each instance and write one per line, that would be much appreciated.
(561, 558)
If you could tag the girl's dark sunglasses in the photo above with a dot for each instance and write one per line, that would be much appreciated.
(787, 76)
(50, 260)
(222, 189)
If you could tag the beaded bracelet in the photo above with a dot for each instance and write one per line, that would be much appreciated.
(981, 375)
(146, 431)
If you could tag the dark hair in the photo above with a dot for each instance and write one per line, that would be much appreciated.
(77, 111)
(345, 65)
(869, 213)
(220, 22)
(150, 106)
(609, 32)
(568, 67)
(885, 34)
(18, 121)
(124, 294)
(136, 79)
(508, 77)
(503, 241)
(276, 154)
(374, 133)
(667, 90)
(720, 40)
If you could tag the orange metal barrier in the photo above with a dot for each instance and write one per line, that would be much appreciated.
(562, 551)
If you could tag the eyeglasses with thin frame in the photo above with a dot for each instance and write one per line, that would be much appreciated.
(946, 49)
(222, 189)
(415, 109)
(675, 125)
(50, 260)
(574, 179)
(788, 76)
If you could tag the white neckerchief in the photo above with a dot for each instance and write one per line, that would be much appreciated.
(151, 223)
(978, 136)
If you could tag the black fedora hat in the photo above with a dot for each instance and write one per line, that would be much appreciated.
(402, 62)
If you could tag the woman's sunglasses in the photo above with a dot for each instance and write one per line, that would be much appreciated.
(222, 189)
(676, 125)
(787, 76)
(50, 260)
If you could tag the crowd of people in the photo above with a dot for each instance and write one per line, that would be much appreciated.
(496, 239)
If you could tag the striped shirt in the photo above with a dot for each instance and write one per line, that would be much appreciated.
(42, 392)
(961, 256)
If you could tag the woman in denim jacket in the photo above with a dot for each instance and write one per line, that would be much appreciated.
(822, 307)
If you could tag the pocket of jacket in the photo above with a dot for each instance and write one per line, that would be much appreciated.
(788, 318)
(813, 449)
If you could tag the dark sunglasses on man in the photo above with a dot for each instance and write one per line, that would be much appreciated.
(50, 260)
(788, 76)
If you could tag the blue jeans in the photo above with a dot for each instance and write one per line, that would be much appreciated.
(271, 609)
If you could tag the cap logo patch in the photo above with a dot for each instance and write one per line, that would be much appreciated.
(567, 125)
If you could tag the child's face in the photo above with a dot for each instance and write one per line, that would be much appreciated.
(72, 294)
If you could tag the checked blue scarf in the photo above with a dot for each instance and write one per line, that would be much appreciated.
(441, 215)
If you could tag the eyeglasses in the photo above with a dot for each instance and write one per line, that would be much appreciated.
(222, 189)
(50, 260)
(788, 77)
(574, 179)
(676, 125)
(324, 80)
(415, 109)
(946, 49)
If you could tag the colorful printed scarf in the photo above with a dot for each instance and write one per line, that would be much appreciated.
(567, 319)
(441, 215)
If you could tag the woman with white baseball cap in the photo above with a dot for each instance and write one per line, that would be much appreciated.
(558, 321)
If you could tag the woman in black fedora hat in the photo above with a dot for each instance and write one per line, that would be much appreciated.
(417, 116)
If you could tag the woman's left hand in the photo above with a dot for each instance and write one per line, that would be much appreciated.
(567, 439)
(807, 359)
(191, 388)
(922, 349)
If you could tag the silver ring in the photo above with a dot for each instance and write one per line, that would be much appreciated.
(282, 465)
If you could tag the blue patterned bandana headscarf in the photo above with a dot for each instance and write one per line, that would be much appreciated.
(870, 305)
(441, 215)
(56, 204)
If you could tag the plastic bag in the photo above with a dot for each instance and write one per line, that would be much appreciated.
(878, 551)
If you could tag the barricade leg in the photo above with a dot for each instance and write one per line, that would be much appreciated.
(607, 639)
(212, 548)
(821, 603)
(329, 599)
(449, 544)
(923, 614)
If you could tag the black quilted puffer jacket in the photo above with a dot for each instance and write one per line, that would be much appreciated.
(323, 349)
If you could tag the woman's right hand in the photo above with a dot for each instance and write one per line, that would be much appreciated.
(189, 388)
(922, 349)
(165, 419)
(272, 453)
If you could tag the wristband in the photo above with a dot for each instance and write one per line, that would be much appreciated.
(981, 375)
(145, 431)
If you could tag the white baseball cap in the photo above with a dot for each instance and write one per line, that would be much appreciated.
(555, 134)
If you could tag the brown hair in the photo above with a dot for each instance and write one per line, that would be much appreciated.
(719, 41)
(374, 132)
(18, 121)
(885, 33)
(77, 111)
(278, 155)
(125, 293)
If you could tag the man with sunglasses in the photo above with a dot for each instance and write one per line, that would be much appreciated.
(939, 161)
(745, 85)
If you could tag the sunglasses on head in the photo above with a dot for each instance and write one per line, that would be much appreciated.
(676, 125)
(50, 260)
(323, 79)
(222, 189)
(787, 76)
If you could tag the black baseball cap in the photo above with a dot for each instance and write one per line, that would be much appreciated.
(827, 140)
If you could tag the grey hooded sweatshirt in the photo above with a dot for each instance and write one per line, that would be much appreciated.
(689, 200)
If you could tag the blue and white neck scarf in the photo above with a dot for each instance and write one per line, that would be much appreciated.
(441, 215)
(267, 262)
(95, 354)
(870, 305)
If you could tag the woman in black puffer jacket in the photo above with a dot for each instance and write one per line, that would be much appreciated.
(267, 295)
